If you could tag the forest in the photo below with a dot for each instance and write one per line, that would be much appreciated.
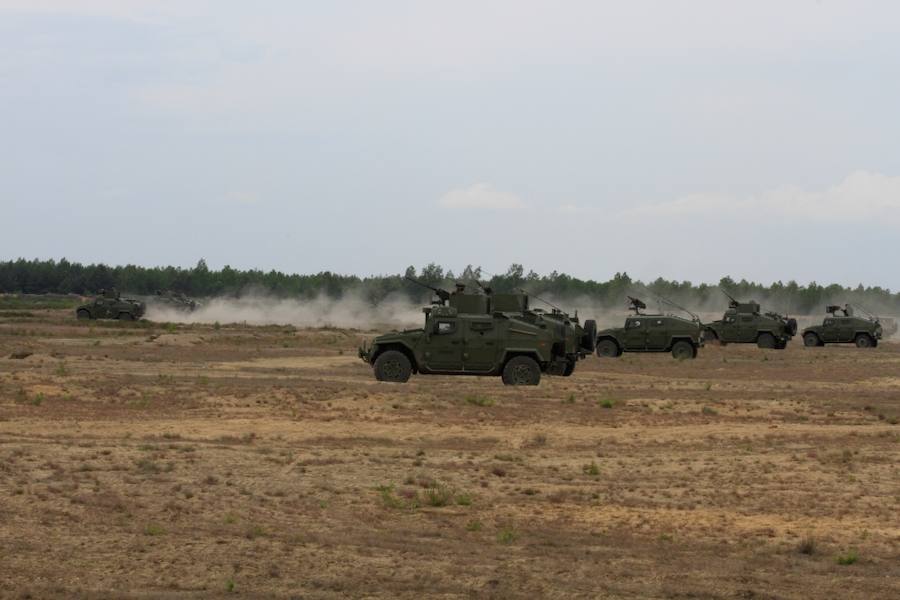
(35, 276)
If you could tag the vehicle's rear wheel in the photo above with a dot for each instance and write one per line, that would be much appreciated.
(682, 350)
(82, 314)
(811, 339)
(864, 340)
(124, 316)
(392, 365)
(607, 349)
(765, 340)
(521, 370)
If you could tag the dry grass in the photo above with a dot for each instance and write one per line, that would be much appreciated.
(193, 461)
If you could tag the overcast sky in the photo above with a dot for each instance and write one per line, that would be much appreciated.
(688, 140)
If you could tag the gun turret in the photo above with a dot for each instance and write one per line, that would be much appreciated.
(444, 295)
(637, 305)
(731, 301)
(833, 309)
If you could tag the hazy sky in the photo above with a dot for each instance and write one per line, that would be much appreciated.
(687, 140)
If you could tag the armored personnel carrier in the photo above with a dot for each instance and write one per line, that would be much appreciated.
(110, 305)
(483, 334)
(176, 300)
(845, 329)
(744, 323)
(651, 333)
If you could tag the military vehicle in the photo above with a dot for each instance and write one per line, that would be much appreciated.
(652, 333)
(744, 323)
(110, 305)
(483, 334)
(845, 329)
(176, 300)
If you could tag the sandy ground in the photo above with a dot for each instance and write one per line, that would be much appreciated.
(148, 461)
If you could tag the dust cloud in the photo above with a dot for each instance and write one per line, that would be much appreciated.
(350, 312)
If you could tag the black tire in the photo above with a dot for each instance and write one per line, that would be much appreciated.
(589, 339)
(864, 340)
(570, 368)
(392, 365)
(82, 314)
(521, 370)
(792, 326)
(811, 339)
(125, 316)
(607, 349)
(765, 340)
(682, 350)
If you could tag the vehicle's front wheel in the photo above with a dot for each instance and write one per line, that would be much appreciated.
(811, 339)
(522, 370)
(682, 350)
(765, 340)
(82, 314)
(392, 365)
(864, 340)
(607, 349)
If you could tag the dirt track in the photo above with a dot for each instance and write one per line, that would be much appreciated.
(138, 460)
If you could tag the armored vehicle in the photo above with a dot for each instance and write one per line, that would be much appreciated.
(844, 329)
(176, 300)
(651, 333)
(744, 323)
(483, 334)
(110, 305)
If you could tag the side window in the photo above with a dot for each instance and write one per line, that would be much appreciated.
(445, 327)
(829, 322)
(729, 320)
(633, 324)
(657, 323)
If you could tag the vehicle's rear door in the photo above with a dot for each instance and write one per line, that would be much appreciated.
(479, 343)
(657, 334)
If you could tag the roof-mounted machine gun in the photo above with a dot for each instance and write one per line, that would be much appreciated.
(732, 303)
(834, 309)
(636, 304)
(443, 295)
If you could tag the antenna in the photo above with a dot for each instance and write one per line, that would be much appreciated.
(670, 303)
(550, 304)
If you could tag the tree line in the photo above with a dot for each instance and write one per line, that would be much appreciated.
(65, 277)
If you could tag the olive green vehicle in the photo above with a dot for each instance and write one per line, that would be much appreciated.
(651, 333)
(110, 305)
(483, 334)
(744, 323)
(176, 300)
(845, 329)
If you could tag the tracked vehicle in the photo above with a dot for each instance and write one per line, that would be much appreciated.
(483, 334)
(111, 305)
(744, 323)
(847, 328)
(651, 333)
